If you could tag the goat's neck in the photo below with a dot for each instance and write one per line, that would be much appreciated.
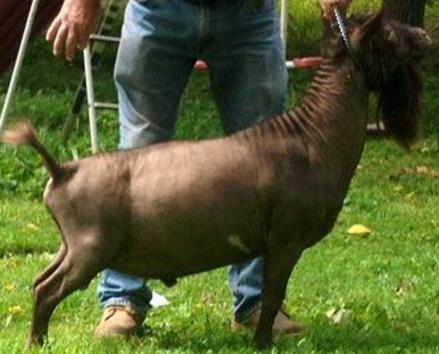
(340, 101)
(330, 122)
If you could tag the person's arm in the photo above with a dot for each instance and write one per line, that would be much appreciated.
(328, 5)
(73, 25)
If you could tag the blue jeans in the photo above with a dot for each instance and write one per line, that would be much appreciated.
(161, 40)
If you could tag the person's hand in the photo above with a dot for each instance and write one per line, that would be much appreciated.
(328, 6)
(73, 25)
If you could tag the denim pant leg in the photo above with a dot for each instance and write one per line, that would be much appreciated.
(153, 65)
(249, 82)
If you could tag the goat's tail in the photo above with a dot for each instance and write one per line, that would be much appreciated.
(23, 133)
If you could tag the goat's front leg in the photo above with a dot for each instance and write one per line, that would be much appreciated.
(278, 265)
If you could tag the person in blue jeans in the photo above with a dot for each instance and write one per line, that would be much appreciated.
(160, 42)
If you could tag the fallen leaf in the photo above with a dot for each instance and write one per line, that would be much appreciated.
(8, 321)
(422, 170)
(398, 188)
(403, 287)
(47, 256)
(409, 195)
(331, 312)
(10, 287)
(359, 230)
(31, 226)
(11, 263)
(301, 342)
(15, 310)
(337, 316)
(158, 300)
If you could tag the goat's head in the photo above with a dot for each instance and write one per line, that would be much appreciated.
(382, 45)
(388, 53)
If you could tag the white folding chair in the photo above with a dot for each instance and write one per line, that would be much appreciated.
(19, 62)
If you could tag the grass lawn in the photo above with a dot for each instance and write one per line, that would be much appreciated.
(377, 293)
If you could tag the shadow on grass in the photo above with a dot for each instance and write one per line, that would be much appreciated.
(352, 338)
(320, 338)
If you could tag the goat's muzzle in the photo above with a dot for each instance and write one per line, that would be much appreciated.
(421, 42)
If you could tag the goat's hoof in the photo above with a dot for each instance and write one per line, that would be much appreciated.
(263, 342)
(35, 340)
(264, 345)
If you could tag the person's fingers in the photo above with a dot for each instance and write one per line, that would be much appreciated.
(59, 43)
(71, 43)
(328, 6)
(72, 27)
(53, 29)
(344, 4)
(83, 40)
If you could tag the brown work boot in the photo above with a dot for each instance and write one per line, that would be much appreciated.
(119, 321)
(283, 324)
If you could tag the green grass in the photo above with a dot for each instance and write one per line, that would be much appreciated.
(385, 284)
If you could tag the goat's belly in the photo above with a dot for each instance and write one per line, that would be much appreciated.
(180, 257)
(193, 225)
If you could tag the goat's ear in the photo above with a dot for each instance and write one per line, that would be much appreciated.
(371, 26)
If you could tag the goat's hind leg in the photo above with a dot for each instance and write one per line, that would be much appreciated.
(75, 271)
(52, 267)
(278, 265)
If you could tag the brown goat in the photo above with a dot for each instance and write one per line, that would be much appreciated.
(174, 209)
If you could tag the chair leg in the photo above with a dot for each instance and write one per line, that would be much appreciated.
(90, 99)
(18, 63)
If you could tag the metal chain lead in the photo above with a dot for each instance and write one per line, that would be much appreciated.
(342, 28)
